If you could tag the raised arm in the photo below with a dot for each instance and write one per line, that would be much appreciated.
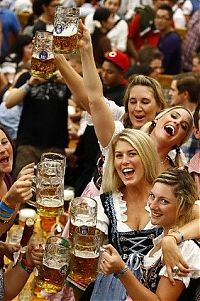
(73, 80)
(101, 115)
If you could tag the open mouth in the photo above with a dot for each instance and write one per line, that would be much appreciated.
(169, 129)
(128, 172)
(4, 160)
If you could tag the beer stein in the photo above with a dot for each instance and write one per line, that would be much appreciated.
(55, 266)
(85, 255)
(82, 212)
(49, 156)
(42, 61)
(65, 35)
(49, 189)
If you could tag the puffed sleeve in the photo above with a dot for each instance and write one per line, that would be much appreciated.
(191, 253)
(102, 219)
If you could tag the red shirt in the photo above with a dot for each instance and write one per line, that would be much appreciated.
(150, 38)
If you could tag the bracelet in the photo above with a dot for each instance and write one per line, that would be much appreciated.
(25, 265)
(122, 272)
(181, 236)
(5, 212)
(178, 240)
(8, 203)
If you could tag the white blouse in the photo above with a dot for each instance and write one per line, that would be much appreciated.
(191, 254)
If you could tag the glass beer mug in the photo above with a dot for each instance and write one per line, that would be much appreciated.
(55, 267)
(49, 189)
(42, 61)
(82, 212)
(65, 35)
(85, 255)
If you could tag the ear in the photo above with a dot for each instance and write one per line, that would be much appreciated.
(196, 133)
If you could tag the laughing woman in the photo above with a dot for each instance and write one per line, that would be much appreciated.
(171, 202)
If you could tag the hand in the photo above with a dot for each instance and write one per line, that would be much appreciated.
(36, 81)
(84, 36)
(111, 261)
(26, 170)
(172, 257)
(8, 249)
(21, 190)
(34, 254)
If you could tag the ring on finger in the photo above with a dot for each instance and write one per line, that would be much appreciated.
(175, 270)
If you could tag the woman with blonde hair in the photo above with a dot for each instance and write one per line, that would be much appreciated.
(171, 201)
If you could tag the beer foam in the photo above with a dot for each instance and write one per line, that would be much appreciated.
(85, 254)
(68, 194)
(67, 32)
(48, 202)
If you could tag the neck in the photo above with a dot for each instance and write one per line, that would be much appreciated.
(136, 193)
(45, 18)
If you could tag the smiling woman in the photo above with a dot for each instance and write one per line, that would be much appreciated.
(170, 129)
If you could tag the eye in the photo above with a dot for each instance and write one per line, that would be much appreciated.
(132, 154)
(151, 196)
(132, 101)
(146, 101)
(174, 115)
(118, 155)
(184, 126)
(164, 201)
(4, 141)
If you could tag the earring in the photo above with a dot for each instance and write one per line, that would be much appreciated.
(177, 148)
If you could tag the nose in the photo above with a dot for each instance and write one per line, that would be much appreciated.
(125, 159)
(138, 106)
(152, 204)
(2, 148)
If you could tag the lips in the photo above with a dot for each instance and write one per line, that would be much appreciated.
(169, 129)
(4, 160)
(128, 172)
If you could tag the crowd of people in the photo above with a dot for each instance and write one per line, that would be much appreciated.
(138, 148)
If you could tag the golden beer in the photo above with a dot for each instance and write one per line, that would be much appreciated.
(73, 227)
(64, 44)
(84, 265)
(56, 262)
(49, 207)
(51, 279)
(46, 223)
(43, 68)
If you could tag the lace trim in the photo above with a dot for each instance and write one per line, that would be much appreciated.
(120, 207)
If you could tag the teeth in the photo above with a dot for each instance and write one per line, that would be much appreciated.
(170, 129)
(127, 170)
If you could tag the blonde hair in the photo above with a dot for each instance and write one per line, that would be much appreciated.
(149, 126)
(146, 150)
(146, 81)
(185, 191)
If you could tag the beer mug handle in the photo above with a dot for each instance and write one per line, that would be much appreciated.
(33, 188)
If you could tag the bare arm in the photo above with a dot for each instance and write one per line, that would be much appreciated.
(73, 80)
(100, 112)
(111, 262)
(16, 95)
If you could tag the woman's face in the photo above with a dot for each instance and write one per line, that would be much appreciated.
(163, 205)
(27, 53)
(142, 106)
(172, 128)
(112, 5)
(128, 164)
(6, 154)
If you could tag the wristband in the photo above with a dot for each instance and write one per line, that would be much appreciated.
(9, 203)
(25, 265)
(5, 212)
(122, 272)
(180, 239)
